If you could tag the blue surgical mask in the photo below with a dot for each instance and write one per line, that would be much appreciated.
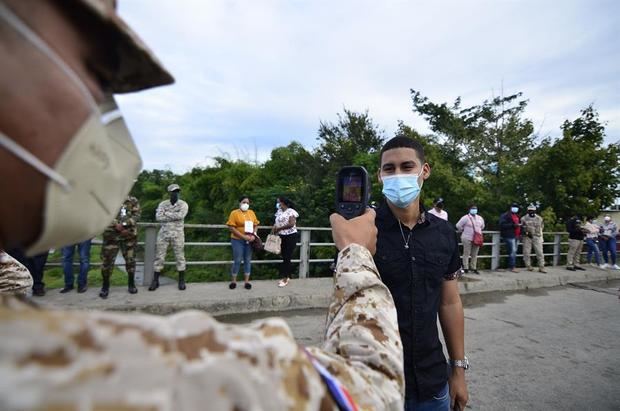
(277, 205)
(473, 211)
(514, 209)
(401, 189)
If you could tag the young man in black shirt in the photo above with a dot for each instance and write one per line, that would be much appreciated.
(418, 259)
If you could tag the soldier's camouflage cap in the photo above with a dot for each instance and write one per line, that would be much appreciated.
(531, 207)
(134, 66)
(173, 187)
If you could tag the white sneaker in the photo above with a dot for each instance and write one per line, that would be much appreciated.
(616, 267)
(604, 266)
(594, 265)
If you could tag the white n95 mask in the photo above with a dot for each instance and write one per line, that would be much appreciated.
(94, 173)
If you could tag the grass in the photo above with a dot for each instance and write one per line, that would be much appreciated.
(54, 277)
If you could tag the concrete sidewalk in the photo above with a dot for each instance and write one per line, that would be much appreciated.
(217, 299)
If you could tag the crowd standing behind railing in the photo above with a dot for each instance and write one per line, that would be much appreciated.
(121, 235)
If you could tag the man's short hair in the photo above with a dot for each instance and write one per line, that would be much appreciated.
(403, 142)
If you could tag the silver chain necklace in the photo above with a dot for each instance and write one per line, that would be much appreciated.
(406, 241)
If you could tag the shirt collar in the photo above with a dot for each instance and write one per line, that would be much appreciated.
(385, 216)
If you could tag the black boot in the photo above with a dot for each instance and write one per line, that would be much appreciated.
(105, 288)
(155, 282)
(131, 286)
(181, 280)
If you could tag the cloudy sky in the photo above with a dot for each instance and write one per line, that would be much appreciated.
(255, 75)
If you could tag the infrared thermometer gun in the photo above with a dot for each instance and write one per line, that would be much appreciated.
(352, 191)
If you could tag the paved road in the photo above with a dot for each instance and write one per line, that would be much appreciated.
(552, 349)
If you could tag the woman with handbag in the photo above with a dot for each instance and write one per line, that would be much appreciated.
(286, 227)
(243, 224)
(471, 226)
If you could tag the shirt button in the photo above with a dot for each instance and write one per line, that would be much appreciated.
(412, 258)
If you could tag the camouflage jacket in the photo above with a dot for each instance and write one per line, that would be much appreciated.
(14, 277)
(171, 215)
(91, 360)
(532, 225)
(128, 216)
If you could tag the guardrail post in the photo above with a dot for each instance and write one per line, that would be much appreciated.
(304, 254)
(495, 251)
(557, 249)
(150, 239)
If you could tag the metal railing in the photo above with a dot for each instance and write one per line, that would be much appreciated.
(305, 243)
(304, 260)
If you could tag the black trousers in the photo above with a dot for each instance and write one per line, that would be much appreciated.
(34, 264)
(287, 247)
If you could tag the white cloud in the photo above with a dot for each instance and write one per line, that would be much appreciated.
(267, 72)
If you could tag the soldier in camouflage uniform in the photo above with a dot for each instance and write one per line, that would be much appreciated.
(94, 360)
(171, 214)
(533, 236)
(14, 276)
(189, 361)
(122, 233)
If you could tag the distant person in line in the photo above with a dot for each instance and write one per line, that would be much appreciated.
(14, 276)
(67, 265)
(608, 241)
(35, 265)
(438, 210)
(591, 231)
(467, 225)
(286, 227)
(171, 214)
(532, 225)
(121, 234)
(510, 232)
(575, 243)
(243, 225)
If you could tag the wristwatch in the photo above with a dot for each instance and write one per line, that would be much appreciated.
(464, 363)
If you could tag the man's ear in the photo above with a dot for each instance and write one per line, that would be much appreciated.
(379, 177)
(426, 171)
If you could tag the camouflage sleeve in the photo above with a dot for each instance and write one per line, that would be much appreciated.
(178, 215)
(362, 344)
(92, 360)
(14, 277)
(102, 360)
(160, 214)
(133, 213)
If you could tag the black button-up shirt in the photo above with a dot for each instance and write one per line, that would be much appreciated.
(414, 276)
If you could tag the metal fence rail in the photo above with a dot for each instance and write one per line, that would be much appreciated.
(491, 249)
(306, 244)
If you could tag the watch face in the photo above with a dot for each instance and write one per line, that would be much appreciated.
(461, 363)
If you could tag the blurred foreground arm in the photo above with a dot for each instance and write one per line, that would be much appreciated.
(189, 361)
(362, 343)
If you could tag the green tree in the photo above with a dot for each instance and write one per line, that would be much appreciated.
(449, 179)
(490, 141)
(576, 173)
(340, 143)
